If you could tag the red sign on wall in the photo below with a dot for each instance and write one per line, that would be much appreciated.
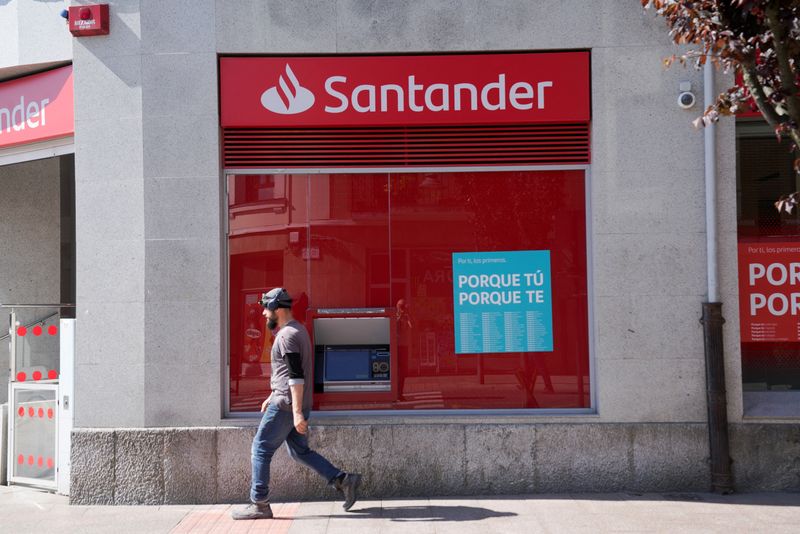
(405, 90)
(36, 108)
(769, 291)
(88, 20)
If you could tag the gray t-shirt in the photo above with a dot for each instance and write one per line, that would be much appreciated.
(292, 337)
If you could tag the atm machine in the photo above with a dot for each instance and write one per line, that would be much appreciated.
(354, 355)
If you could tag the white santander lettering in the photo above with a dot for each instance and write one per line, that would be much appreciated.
(23, 115)
(500, 87)
(44, 103)
(412, 98)
(436, 97)
(540, 90)
(336, 94)
(398, 95)
(444, 97)
(519, 91)
(473, 95)
(31, 112)
(370, 91)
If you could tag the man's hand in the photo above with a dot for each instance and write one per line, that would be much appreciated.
(300, 423)
(266, 403)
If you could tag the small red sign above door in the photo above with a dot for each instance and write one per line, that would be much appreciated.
(36, 108)
(405, 90)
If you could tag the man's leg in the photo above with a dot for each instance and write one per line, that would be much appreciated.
(272, 431)
(299, 451)
(347, 483)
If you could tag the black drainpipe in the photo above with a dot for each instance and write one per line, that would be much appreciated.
(721, 479)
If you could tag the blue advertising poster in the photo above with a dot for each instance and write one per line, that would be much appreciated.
(502, 302)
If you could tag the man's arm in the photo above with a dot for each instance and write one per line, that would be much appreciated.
(296, 384)
(300, 423)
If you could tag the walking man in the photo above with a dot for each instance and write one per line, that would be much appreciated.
(286, 411)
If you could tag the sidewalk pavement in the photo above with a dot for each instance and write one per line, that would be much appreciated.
(25, 510)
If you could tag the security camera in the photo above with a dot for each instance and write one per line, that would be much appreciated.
(686, 100)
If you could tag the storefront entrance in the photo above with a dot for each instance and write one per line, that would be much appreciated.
(37, 276)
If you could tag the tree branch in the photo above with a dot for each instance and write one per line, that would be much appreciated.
(788, 86)
(757, 92)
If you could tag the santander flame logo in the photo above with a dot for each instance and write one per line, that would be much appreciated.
(289, 98)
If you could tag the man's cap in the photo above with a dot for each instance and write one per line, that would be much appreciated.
(276, 298)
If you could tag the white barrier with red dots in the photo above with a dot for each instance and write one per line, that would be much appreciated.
(33, 432)
(34, 435)
(37, 373)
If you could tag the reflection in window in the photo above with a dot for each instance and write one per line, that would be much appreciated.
(770, 367)
(379, 240)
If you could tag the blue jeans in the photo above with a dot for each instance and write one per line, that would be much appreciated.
(276, 427)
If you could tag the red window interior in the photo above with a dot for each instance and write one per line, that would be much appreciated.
(381, 240)
(765, 173)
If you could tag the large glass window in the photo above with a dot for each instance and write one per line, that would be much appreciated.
(769, 273)
(387, 241)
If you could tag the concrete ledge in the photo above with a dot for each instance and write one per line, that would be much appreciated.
(92, 458)
(500, 459)
(212, 465)
(233, 463)
(666, 457)
(766, 457)
(139, 466)
(190, 465)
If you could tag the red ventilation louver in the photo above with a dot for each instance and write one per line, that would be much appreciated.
(264, 148)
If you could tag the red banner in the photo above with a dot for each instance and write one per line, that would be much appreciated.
(405, 90)
(769, 291)
(36, 108)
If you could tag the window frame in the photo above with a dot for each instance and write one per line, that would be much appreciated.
(757, 405)
(364, 415)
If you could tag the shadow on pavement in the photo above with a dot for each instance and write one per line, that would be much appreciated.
(428, 513)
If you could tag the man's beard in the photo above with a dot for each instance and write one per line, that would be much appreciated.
(272, 324)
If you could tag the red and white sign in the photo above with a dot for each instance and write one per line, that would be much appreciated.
(36, 108)
(88, 20)
(405, 90)
(769, 291)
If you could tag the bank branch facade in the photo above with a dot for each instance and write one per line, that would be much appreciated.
(491, 218)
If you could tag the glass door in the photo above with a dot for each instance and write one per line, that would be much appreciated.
(33, 420)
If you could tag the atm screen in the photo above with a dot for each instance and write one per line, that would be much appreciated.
(342, 364)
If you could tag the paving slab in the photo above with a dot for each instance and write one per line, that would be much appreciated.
(26, 510)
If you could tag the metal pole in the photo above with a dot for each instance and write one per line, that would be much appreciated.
(37, 305)
(721, 479)
(12, 357)
(711, 187)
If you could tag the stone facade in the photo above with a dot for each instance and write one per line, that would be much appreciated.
(212, 465)
(150, 365)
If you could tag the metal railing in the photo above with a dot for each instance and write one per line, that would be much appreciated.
(37, 305)
(34, 323)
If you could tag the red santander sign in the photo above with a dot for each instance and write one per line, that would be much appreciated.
(36, 108)
(405, 90)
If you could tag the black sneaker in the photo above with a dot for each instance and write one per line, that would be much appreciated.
(348, 485)
(253, 511)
